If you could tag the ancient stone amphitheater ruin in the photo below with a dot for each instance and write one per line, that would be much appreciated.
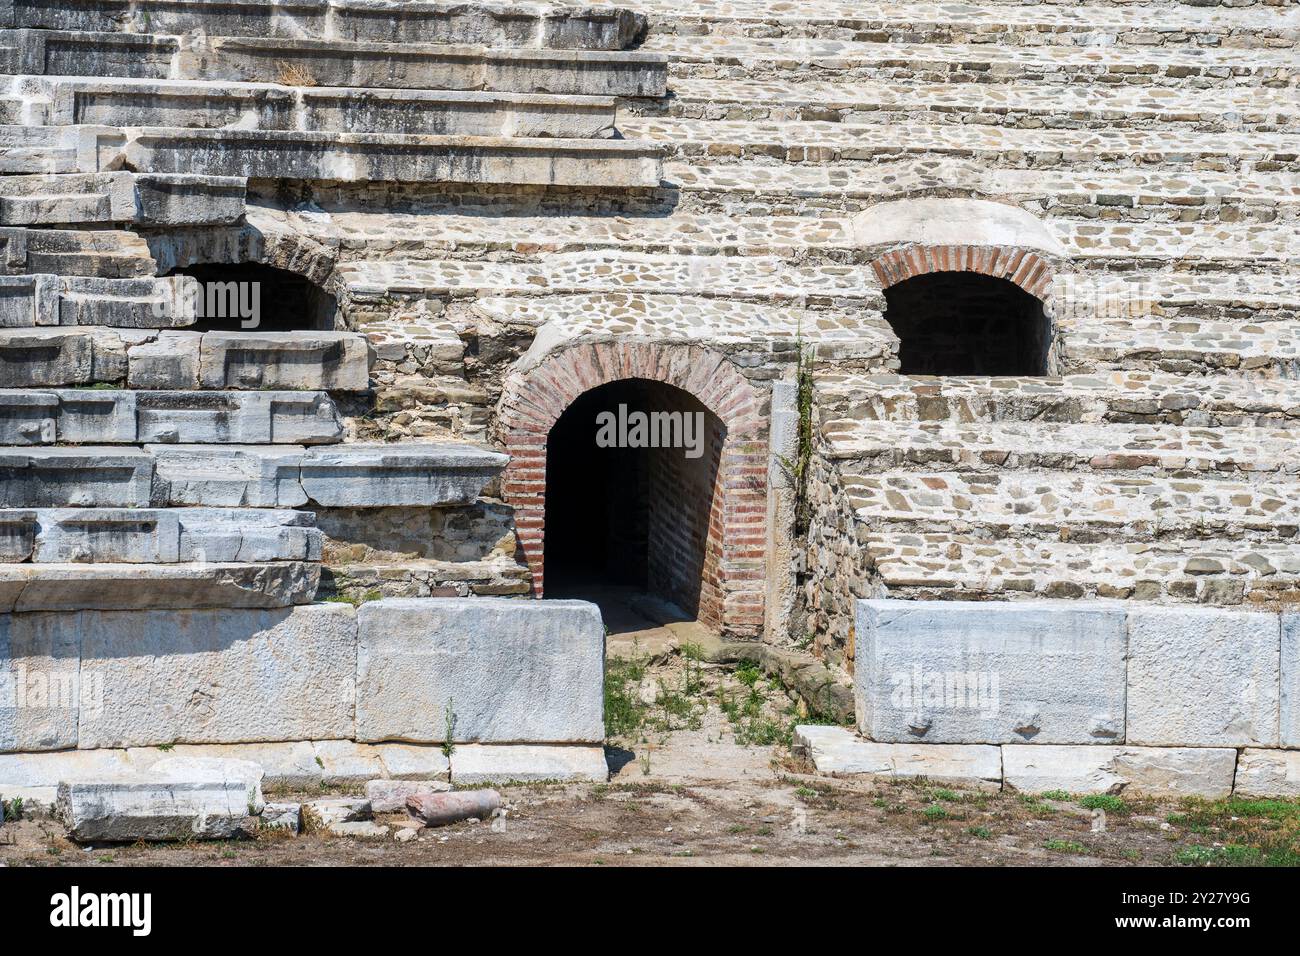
(990, 310)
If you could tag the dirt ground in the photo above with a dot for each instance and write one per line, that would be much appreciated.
(703, 775)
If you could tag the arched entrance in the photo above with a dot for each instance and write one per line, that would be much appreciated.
(714, 568)
(250, 296)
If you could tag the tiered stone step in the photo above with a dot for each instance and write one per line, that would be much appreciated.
(1012, 106)
(30, 301)
(1007, 24)
(91, 416)
(184, 361)
(157, 536)
(332, 63)
(69, 101)
(1128, 397)
(108, 254)
(1266, 349)
(511, 24)
(999, 146)
(142, 199)
(1184, 66)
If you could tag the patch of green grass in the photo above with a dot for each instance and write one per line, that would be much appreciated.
(935, 812)
(625, 713)
(980, 833)
(1103, 801)
(1053, 795)
(948, 796)
(1065, 846)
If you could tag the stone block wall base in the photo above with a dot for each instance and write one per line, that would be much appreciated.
(1173, 772)
(309, 765)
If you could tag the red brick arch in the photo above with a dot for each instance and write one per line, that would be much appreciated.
(732, 593)
(1026, 269)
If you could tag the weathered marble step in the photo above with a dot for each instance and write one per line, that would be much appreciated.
(951, 566)
(1120, 397)
(1082, 24)
(87, 477)
(597, 271)
(333, 63)
(509, 24)
(351, 476)
(1055, 504)
(1119, 192)
(108, 254)
(132, 587)
(1024, 106)
(123, 101)
(153, 536)
(796, 56)
(91, 416)
(183, 361)
(835, 333)
(1107, 448)
(1089, 243)
(823, 142)
(1267, 350)
(371, 157)
(31, 301)
(140, 198)
(422, 578)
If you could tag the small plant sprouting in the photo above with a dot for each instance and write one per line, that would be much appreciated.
(449, 729)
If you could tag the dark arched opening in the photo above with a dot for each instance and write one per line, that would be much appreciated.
(632, 497)
(249, 296)
(964, 323)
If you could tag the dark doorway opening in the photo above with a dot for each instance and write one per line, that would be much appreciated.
(964, 323)
(283, 301)
(631, 519)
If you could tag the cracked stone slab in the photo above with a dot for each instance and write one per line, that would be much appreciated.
(838, 750)
(394, 475)
(1150, 771)
(1268, 773)
(474, 764)
(956, 672)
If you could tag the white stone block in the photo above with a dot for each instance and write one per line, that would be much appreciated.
(837, 750)
(229, 476)
(41, 689)
(1268, 773)
(414, 762)
(369, 476)
(988, 672)
(344, 763)
(1149, 771)
(1290, 681)
(282, 816)
(1203, 677)
(219, 676)
(389, 796)
(511, 671)
(502, 764)
(321, 814)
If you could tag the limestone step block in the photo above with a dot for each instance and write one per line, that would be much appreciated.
(45, 357)
(1001, 64)
(1120, 397)
(367, 476)
(228, 476)
(28, 418)
(837, 750)
(1028, 503)
(504, 24)
(167, 361)
(29, 301)
(37, 150)
(201, 104)
(477, 764)
(175, 801)
(36, 776)
(41, 692)
(315, 361)
(87, 477)
(380, 157)
(219, 676)
(1289, 712)
(120, 197)
(956, 672)
(1164, 772)
(484, 670)
(106, 253)
(1268, 773)
(123, 416)
(1203, 677)
(158, 536)
(333, 63)
(951, 565)
(1178, 346)
(113, 587)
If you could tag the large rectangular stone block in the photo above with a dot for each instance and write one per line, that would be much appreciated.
(1149, 771)
(837, 750)
(477, 764)
(28, 418)
(229, 476)
(1268, 773)
(985, 672)
(40, 684)
(327, 361)
(1290, 689)
(220, 676)
(85, 477)
(509, 671)
(1203, 677)
(368, 476)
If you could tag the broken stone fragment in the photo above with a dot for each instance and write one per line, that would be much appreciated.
(440, 809)
(324, 814)
(390, 796)
(282, 816)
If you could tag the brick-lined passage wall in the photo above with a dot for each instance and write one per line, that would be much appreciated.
(735, 553)
(1019, 266)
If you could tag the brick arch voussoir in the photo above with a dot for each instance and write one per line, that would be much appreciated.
(1022, 267)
